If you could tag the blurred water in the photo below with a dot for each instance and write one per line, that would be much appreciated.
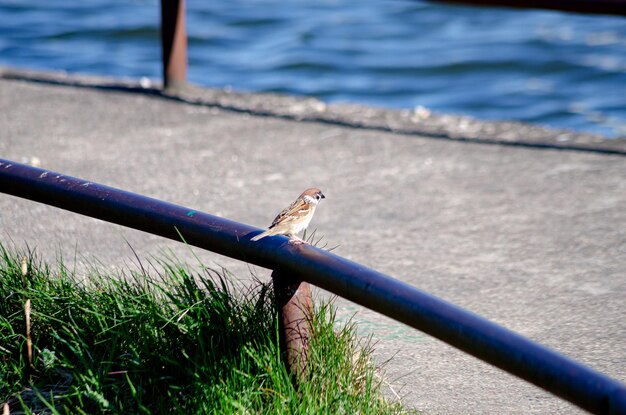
(559, 69)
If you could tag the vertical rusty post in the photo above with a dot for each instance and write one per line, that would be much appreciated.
(294, 304)
(173, 43)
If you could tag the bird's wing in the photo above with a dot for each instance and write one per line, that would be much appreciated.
(293, 212)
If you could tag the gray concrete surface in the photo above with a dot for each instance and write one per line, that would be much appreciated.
(532, 237)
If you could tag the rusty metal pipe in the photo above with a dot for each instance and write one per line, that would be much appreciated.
(579, 384)
(294, 303)
(173, 44)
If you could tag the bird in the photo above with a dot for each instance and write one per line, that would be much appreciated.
(295, 217)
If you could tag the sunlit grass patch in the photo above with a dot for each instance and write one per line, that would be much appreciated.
(176, 340)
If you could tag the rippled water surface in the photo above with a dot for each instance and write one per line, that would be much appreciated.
(559, 69)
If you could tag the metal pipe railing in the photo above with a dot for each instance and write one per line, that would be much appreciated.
(617, 7)
(464, 330)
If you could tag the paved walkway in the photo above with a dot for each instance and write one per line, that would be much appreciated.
(527, 232)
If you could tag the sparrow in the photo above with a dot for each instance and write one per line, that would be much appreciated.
(295, 217)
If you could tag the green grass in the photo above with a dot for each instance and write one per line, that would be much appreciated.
(168, 341)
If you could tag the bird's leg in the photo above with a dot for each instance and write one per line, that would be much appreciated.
(293, 239)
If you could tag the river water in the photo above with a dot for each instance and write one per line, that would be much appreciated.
(551, 68)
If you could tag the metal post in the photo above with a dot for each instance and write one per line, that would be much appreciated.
(173, 43)
(294, 304)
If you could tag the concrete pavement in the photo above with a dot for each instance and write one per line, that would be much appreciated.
(523, 225)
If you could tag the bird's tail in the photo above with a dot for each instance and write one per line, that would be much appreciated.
(262, 235)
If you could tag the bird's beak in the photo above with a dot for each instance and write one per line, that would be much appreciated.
(322, 195)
